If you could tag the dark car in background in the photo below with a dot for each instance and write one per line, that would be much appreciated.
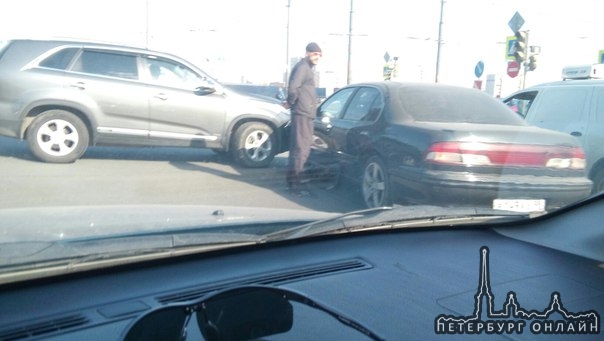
(437, 144)
(63, 96)
(270, 93)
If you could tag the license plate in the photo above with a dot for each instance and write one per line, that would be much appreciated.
(520, 205)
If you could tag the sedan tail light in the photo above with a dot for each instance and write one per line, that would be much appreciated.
(501, 154)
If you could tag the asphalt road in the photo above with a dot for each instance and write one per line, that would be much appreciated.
(132, 176)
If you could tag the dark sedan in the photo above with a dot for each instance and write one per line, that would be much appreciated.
(428, 143)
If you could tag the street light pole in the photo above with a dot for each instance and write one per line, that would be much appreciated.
(440, 31)
(348, 76)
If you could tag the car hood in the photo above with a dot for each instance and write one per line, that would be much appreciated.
(82, 222)
(256, 105)
(232, 89)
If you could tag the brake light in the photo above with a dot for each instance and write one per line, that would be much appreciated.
(501, 154)
(576, 161)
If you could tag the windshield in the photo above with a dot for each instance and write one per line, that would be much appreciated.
(115, 141)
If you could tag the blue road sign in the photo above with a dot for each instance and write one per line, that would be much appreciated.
(386, 57)
(510, 48)
(601, 57)
(479, 69)
(516, 22)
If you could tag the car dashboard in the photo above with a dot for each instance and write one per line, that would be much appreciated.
(400, 284)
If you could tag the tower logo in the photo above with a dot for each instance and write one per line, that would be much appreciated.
(513, 318)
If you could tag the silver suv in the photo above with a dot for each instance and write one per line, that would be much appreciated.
(575, 107)
(63, 96)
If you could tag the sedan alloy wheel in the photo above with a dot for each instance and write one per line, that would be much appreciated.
(375, 183)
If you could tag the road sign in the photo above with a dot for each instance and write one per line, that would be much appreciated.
(386, 57)
(513, 68)
(510, 47)
(478, 69)
(478, 84)
(516, 22)
(601, 57)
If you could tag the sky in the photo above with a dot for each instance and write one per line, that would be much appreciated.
(246, 40)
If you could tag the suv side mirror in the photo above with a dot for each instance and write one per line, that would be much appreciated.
(204, 90)
(281, 95)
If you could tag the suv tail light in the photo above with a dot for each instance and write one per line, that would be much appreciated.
(501, 154)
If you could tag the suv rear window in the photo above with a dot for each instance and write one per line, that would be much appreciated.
(59, 60)
(3, 45)
(522, 102)
(107, 64)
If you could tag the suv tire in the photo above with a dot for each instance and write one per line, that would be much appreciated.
(598, 181)
(57, 136)
(254, 145)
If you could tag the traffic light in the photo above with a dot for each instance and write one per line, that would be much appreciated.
(389, 71)
(395, 68)
(532, 64)
(520, 46)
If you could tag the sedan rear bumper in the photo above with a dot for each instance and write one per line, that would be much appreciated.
(464, 188)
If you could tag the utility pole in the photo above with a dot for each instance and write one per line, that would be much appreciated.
(147, 24)
(350, 34)
(286, 76)
(348, 76)
(440, 32)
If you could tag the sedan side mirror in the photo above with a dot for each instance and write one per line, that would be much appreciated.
(326, 120)
(323, 113)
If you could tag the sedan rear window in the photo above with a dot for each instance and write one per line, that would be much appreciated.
(448, 104)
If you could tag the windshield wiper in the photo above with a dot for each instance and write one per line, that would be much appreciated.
(302, 229)
(383, 218)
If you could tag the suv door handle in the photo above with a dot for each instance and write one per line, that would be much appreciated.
(576, 133)
(78, 85)
(161, 96)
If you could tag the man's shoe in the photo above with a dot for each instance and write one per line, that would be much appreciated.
(299, 190)
(302, 193)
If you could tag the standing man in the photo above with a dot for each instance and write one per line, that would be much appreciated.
(302, 99)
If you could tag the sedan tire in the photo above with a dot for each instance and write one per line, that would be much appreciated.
(375, 184)
(57, 136)
(254, 145)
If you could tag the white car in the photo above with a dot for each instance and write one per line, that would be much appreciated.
(575, 107)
